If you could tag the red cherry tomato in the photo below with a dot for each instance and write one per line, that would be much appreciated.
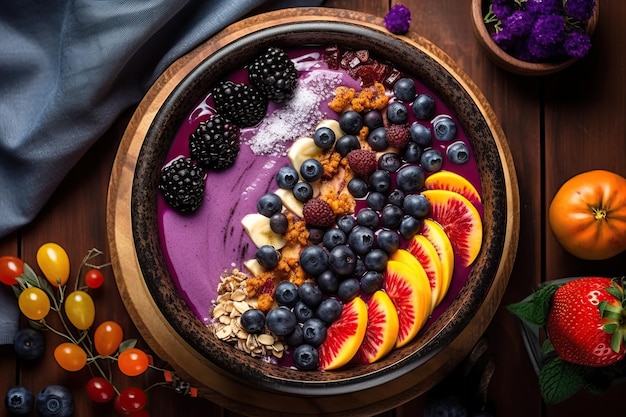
(133, 362)
(94, 278)
(107, 337)
(70, 356)
(141, 413)
(131, 400)
(100, 390)
(11, 267)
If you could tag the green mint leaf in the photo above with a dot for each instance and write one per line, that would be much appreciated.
(559, 380)
(534, 309)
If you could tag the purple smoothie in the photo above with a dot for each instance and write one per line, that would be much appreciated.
(198, 248)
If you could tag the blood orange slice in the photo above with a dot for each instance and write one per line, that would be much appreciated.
(460, 220)
(382, 329)
(440, 241)
(424, 251)
(451, 181)
(409, 291)
(344, 336)
(412, 262)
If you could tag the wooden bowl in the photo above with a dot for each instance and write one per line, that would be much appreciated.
(230, 377)
(509, 62)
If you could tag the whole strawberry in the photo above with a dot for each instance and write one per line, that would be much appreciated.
(586, 322)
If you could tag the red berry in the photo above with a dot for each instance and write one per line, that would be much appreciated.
(398, 136)
(317, 212)
(362, 161)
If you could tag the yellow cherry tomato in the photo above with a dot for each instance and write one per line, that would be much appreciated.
(107, 337)
(80, 309)
(133, 362)
(34, 303)
(54, 263)
(70, 356)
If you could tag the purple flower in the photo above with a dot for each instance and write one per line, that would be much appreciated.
(577, 44)
(546, 36)
(502, 10)
(544, 7)
(580, 10)
(518, 23)
(398, 19)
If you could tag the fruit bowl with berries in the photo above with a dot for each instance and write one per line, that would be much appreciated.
(316, 207)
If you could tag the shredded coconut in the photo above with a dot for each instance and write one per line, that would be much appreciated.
(298, 117)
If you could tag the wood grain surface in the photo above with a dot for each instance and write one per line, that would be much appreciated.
(556, 126)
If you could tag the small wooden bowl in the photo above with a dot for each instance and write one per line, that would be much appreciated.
(509, 62)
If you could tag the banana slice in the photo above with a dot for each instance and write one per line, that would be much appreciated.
(258, 228)
(301, 150)
(254, 267)
(333, 125)
(289, 201)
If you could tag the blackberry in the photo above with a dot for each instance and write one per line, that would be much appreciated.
(241, 103)
(182, 184)
(215, 143)
(274, 75)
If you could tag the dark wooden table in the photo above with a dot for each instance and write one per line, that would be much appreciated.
(556, 125)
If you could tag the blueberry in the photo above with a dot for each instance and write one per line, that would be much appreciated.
(416, 205)
(350, 122)
(327, 281)
(55, 401)
(367, 217)
(310, 294)
(311, 170)
(361, 239)
(306, 358)
(410, 179)
(324, 137)
(19, 401)
(333, 237)
(444, 127)
(253, 320)
(267, 256)
(329, 310)
(302, 311)
(396, 197)
(314, 331)
(389, 161)
(412, 153)
(342, 260)
(29, 343)
(287, 177)
(346, 223)
(303, 191)
(295, 338)
(420, 134)
(404, 89)
(391, 216)
(348, 289)
(458, 152)
(388, 240)
(432, 160)
(376, 260)
(269, 204)
(373, 119)
(409, 226)
(279, 223)
(371, 282)
(358, 187)
(423, 106)
(281, 321)
(347, 143)
(360, 268)
(397, 113)
(377, 139)
(314, 260)
(286, 294)
(380, 180)
(316, 235)
(376, 201)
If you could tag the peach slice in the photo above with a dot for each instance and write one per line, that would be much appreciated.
(435, 234)
(410, 260)
(344, 336)
(409, 291)
(460, 220)
(382, 329)
(451, 181)
(425, 252)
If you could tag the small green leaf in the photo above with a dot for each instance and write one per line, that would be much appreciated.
(127, 344)
(610, 328)
(616, 340)
(534, 310)
(559, 380)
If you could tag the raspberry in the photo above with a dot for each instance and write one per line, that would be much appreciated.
(274, 75)
(398, 136)
(240, 103)
(182, 184)
(215, 143)
(362, 161)
(317, 212)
